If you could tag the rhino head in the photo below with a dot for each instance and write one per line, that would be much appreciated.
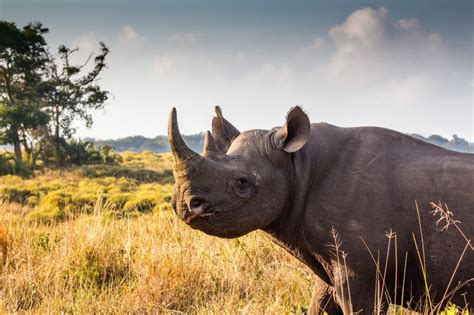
(241, 182)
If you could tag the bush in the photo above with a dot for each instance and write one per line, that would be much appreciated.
(78, 152)
(141, 175)
(90, 268)
(19, 195)
(48, 215)
(8, 165)
(117, 200)
(149, 197)
(141, 202)
(58, 205)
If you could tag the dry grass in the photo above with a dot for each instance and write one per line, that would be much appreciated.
(148, 264)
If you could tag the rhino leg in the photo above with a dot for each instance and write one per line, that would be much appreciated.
(322, 300)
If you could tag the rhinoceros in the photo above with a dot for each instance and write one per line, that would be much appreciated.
(355, 205)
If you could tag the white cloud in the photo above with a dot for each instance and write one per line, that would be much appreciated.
(269, 74)
(368, 49)
(241, 56)
(87, 42)
(88, 45)
(313, 48)
(128, 35)
(162, 65)
(185, 40)
(403, 92)
(365, 26)
(408, 25)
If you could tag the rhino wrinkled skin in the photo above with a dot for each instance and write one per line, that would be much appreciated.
(303, 182)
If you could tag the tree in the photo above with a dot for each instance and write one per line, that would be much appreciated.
(72, 92)
(458, 144)
(22, 60)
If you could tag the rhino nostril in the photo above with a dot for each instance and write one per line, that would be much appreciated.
(195, 205)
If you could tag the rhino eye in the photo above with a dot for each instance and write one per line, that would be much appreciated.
(243, 186)
(242, 181)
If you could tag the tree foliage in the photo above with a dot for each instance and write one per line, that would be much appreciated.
(43, 94)
(79, 152)
(72, 92)
(23, 58)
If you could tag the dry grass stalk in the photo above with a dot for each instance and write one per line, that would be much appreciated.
(4, 243)
(446, 216)
(343, 275)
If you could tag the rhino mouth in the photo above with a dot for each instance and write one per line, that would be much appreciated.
(188, 216)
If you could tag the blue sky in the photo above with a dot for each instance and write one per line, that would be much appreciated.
(405, 65)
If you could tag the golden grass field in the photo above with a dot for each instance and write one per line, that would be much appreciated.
(102, 239)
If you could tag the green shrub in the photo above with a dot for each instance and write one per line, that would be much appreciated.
(141, 175)
(78, 152)
(16, 194)
(43, 241)
(7, 164)
(163, 206)
(58, 205)
(48, 215)
(142, 202)
(148, 197)
(32, 200)
(90, 268)
(117, 200)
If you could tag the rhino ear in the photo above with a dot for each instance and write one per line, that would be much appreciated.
(295, 133)
(222, 131)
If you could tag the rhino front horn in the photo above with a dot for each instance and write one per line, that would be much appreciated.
(184, 157)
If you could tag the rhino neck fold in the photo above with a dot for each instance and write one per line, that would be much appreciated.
(310, 167)
(288, 230)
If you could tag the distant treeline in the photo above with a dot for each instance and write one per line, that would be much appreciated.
(456, 143)
(159, 144)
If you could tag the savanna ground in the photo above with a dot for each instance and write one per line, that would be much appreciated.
(103, 239)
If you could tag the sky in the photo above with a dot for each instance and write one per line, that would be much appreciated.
(404, 65)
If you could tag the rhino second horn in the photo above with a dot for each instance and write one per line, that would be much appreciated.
(184, 157)
(218, 111)
(210, 147)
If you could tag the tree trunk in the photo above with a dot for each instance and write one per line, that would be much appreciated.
(34, 157)
(57, 141)
(27, 148)
(15, 129)
(16, 145)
